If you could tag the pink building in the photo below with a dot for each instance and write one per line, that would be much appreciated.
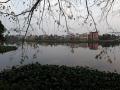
(93, 46)
(93, 36)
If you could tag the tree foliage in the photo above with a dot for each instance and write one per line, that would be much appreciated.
(2, 30)
(81, 10)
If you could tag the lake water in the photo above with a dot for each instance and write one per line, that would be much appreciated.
(92, 55)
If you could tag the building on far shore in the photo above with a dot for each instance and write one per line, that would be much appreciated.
(90, 36)
(83, 36)
(93, 36)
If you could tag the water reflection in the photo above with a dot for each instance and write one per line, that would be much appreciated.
(93, 46)
(108, 53)
(93, 55)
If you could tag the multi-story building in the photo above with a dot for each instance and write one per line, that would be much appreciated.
(83, 36)
(93, 36)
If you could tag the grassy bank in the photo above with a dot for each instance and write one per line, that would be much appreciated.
(53, 77)
(4, 49)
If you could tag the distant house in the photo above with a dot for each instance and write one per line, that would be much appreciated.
(93, 36)
(83, 36)
(71, 36)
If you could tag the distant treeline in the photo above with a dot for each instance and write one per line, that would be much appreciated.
(2, 30)
(104, 41)
(61, 39)
(108, 37)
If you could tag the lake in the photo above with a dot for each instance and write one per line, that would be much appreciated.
(103, 58)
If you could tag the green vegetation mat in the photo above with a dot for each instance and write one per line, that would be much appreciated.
(4, 49)
(53, 77)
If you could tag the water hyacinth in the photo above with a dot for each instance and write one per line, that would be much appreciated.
(4, 49)
(52, 77)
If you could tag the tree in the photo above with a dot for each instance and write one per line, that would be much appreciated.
(57, 10)
(2, 30)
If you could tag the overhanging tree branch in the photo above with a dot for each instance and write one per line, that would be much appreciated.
(5, 1)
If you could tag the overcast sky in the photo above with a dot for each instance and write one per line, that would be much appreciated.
(75, 25)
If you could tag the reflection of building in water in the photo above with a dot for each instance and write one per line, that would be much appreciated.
(84, 45)
(93, 46)
(72, 50)
(73, 46)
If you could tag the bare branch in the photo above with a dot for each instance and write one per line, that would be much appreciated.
(64, 16)
(5, 1)
(88, 12)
